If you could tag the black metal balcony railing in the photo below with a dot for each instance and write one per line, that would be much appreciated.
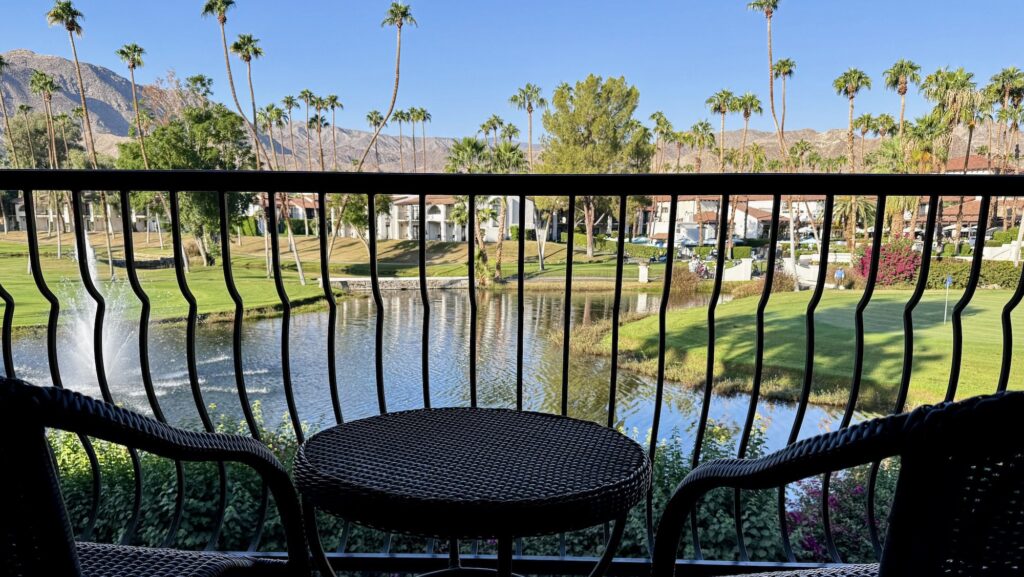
(121, 183)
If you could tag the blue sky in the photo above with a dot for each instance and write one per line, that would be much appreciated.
(467, 56)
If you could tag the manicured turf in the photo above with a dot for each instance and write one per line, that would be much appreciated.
(785, 339)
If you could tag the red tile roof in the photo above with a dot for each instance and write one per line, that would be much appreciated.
(976, 163)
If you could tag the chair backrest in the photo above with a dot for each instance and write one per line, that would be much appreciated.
(959, 503)
(37, 538)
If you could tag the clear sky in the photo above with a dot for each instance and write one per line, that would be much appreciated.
(468, 56)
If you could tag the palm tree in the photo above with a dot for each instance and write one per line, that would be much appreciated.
(131, 54)
(747, 104)
(318, 123)
(219, 8)
(1007, 85)
(493, 125)
(702, 137)
(401, 116)
(415, 115)
(849, 84)
(510, 132)
(64, 14)
(25, 110)
(466, 156)
(885, 125)
(768, 8)
(506, 158)
(965, 106)
(247, 48)
(308, 97)
(784, 70)
(270, 116)
(61, 121)
(7, 119)
(43, 85)
(290, 103)
(424, 119)
(662, 129)
(722, 102)
(376, 121)
(864, 123)
(334, 104)
(800, 151)
(320, 104)
(398, 16)
(529, 98)
(899, 77)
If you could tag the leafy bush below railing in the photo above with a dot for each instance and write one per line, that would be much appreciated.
(717, 528)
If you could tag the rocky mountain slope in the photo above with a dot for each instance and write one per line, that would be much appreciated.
(108, 94)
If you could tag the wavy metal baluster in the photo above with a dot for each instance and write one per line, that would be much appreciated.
(709, 379)
(567, 313)
(755, 391)
(659, 395)
(958, 308)
(808, 377)
(51, 353)
(236, 353)
(190, 361)
(98, 357)
(144, 366)
(620, 255)
(378, 302)
(858, 366)
(425, 299)
(471, 235)
(908, 358)
(1004, 370)
(332, 309)
(521, 307)
(286, 317)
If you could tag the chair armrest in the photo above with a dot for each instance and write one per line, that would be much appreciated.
(857, 445)
(29, 405)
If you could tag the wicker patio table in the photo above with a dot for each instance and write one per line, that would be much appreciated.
(461, 473)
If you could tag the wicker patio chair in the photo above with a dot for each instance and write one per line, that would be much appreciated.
(958, 507)
(37, 538)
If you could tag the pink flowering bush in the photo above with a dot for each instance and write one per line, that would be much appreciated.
(898, 266)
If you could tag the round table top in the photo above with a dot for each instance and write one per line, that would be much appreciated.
(473, 473)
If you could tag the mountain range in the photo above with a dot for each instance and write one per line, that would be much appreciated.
(109, 97)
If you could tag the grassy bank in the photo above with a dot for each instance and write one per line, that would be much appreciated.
(785, 346)
(348, 258)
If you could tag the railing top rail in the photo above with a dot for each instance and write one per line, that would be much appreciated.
(536, 184)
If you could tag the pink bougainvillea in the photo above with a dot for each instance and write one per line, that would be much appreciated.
(899, 263)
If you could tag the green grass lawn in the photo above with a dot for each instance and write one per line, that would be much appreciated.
(348, 258)
(785, 346)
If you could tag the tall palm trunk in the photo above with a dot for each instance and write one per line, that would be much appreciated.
(423, 142)
(255, 130)
(138, 119)
(771, 90)
(853, 222)
(679, 155)
(721, 146)
(414, 160)
(107, 231)
(31, 145)
(401, 147)
(51, 137)
(64, 141)
(291, 132)
(320, 143)
(849, 138)
(498, 249)
(309, 142)
(743, 145)
(391, 107)
(700, 158)
(234, 94)
(376, 155)
(334, 137)
(529, 132)
(273, 145)
(7, 131)
(291, 245)
(970, 137)
(903, 106)
(782, 123)
(89, 142)
(915, 211)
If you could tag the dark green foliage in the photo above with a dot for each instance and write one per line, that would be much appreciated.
(33, 126)
(579, 241)
(741, 252)
(949, 249)
(643, 251)
(994, 273)
(717, 527)
(513, 231)
(203, 138)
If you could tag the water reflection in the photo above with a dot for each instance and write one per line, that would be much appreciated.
(449, 364)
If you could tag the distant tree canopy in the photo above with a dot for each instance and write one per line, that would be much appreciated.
(201, 138)
(591, 129)
(32, 142)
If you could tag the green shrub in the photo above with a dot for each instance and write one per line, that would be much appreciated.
(513, 232)
(949, 249)
(715, 520)
(250, 226)
(703, 252)
(579, 241)
(741, 252)
(994, 273)
(643, 251)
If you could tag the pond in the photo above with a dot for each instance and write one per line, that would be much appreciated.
(448, 353)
